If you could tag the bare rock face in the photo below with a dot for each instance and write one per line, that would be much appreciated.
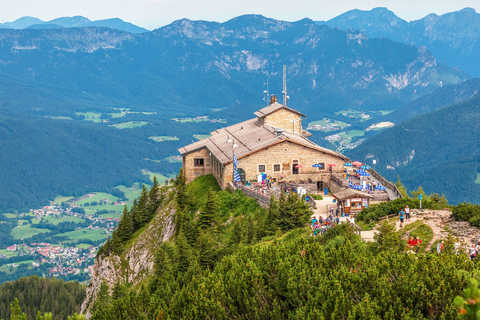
(137, 261)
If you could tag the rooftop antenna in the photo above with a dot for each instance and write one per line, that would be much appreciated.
(284, 91)
(267, 94)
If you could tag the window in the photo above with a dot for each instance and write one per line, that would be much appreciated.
(320, 165)
(276, 167)
(198, 162)
(261, 168)
(295, 167)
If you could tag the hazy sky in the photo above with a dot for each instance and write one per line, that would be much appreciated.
(155, 13)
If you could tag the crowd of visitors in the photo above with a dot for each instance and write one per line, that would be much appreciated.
(320, 225)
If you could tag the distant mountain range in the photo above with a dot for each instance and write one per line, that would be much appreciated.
(167, 68)
(454, 38)
(72, 22)
(439, 151)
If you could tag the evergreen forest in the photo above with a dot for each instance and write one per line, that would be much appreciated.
(230, 258)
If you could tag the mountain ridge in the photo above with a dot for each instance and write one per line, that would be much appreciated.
(453, 37)
(72, 22)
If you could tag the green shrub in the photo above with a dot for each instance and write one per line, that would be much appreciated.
(316, 196)
(377, 211)
(467, 212)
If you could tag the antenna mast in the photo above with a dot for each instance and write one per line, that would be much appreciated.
(284, 91)
(267, 94)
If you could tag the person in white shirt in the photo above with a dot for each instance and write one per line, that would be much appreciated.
(407, 212)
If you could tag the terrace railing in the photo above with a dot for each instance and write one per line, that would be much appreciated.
(389, 185)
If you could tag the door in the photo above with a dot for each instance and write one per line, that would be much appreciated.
(295, 167)
(319, 185)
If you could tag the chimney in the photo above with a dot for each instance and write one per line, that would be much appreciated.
(273, 99)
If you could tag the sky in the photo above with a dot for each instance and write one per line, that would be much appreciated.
(152, 14)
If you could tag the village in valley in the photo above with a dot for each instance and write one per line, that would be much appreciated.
(62, 238)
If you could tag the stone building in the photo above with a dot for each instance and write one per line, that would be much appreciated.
(274, 142)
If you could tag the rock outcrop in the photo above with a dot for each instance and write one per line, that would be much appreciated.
(137, 259)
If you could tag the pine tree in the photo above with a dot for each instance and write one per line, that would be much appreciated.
(388, 239)
(207, 254)
(125, 226)
(103, 307)
(183, 252)
(16, 312)
(155, 197)
(189, 228)
(133, 215)
(401, 188)
(270, 225)
(236, 233)
(293, 212)
(181, 194)
(45, 316)
(250, 230)
(418, 192)
(207, 215)
(143, 215)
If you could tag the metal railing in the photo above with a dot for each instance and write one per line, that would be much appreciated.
(386, 183)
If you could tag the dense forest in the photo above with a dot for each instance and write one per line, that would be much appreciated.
(231, 258)
(34, 294)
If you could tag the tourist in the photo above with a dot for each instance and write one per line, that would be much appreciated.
(410, 242)
(439, 247)
(407, 212)
(401, 215)
(473, 252)
(418, 243)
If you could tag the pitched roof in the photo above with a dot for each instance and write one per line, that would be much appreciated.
(274, 107)
(350, 193)
(249, 137)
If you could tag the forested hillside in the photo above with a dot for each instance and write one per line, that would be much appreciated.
(42, 295)
(439, 151)
(229, 258)
(43, 158)
(441, 97)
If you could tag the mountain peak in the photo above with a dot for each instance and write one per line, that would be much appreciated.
(469, 10)
(22, 23)
(69, 22)
(376, 22)
(248, 19)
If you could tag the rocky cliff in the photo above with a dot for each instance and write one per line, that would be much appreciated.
(137, 259)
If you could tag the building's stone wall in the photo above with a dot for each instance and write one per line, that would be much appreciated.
(284, 154)
(190, 170)
(283, 119)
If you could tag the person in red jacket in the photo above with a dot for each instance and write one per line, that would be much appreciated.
(418, 243)
(410, 242)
